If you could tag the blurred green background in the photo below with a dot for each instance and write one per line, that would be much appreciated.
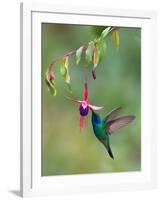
(64, 149)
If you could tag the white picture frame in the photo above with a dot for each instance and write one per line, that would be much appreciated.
(32, 183)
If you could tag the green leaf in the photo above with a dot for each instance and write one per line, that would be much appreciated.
(89, 51)
(78, 54)
(105, 32)
(96, 55)
(102, 47)
(64, 70)
(116, 37)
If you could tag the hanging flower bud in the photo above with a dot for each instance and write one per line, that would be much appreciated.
(49, 78)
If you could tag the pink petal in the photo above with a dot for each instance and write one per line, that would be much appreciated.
(94, 107)
(84, 104)
(82, 118)
(77, 101)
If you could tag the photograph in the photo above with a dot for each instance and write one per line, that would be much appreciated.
(91, 99)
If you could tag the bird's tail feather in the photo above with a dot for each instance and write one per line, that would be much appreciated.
(110, 152)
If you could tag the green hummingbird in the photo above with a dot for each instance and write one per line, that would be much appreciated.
(103, 128)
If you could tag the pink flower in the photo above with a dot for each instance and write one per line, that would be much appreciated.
(84, 106)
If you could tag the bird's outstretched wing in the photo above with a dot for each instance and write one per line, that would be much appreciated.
(118, 123)
(112, 115)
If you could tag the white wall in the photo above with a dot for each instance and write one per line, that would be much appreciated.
(9, 98)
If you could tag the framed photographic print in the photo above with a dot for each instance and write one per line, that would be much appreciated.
(87, 99)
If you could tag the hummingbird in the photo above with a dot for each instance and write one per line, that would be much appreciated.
(103, 128)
